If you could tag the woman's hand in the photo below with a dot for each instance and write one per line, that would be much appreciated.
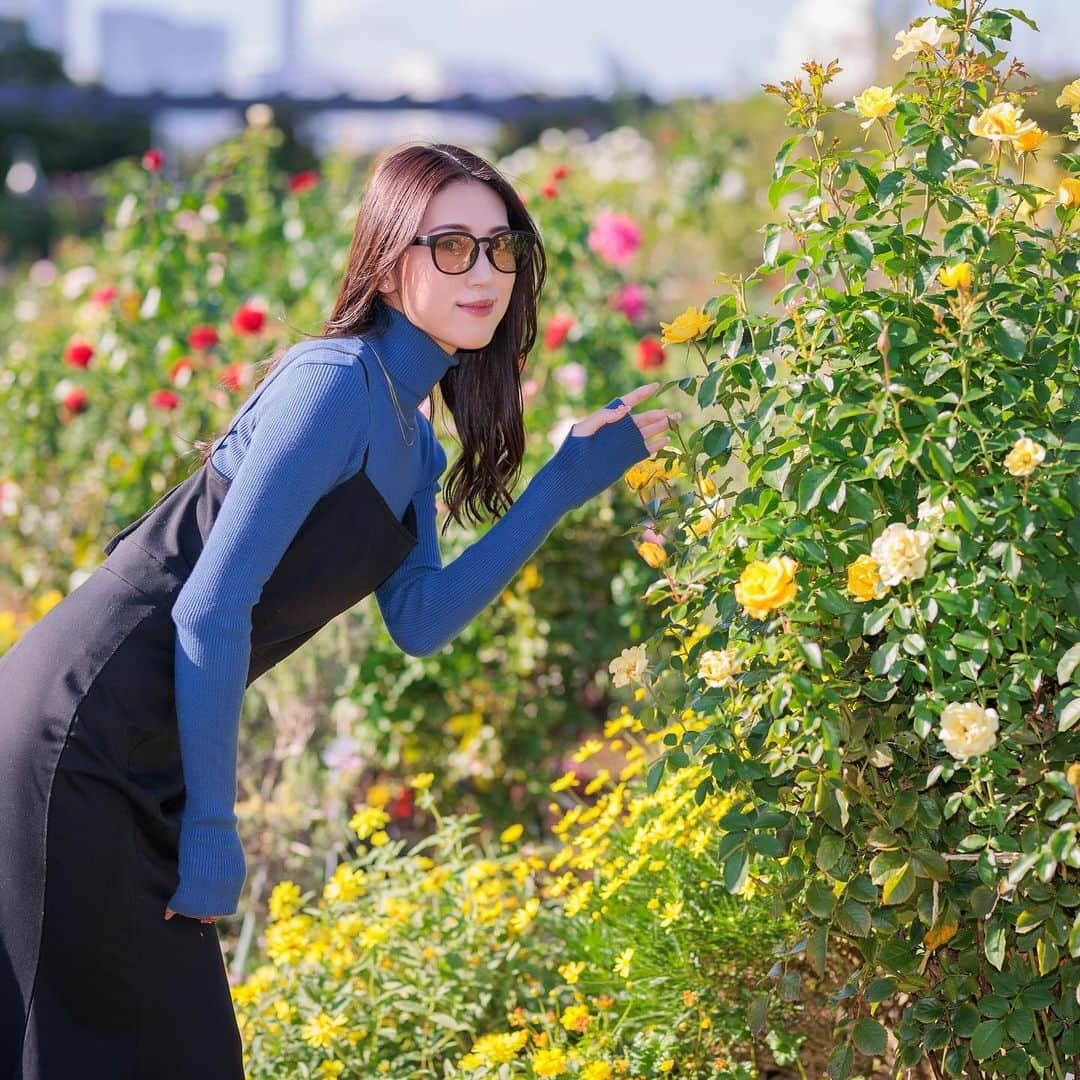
(652, 424)
(169, 913)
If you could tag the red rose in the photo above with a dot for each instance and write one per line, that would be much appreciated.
(176, 372)
(557, 329)
(164, 399)
(650, 354)
(402, 805)
(153, 160)
(75, 399)
(233, 377)
(104, 296)
(549, 191)
(560, 172)
(203, 337)
(248, 319)
(301, 181)
(78, 352)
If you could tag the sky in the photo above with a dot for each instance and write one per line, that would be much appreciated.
(695, 46)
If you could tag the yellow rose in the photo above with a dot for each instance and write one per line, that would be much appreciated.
(764, 586)
(378, 795)
(1072, 773)
(1069, 191)
(653, 553)
(717, 667)
(1025, 211)
(1070, 96)
(864, 579)
(875, 102)
(956, 277)
(686, 326)
(1024, 457)
(967, 729)
(1000, 122)
(1029, 140)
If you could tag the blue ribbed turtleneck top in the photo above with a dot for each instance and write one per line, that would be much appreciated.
(303, 432)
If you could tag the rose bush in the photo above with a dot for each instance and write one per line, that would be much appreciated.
(898, 574)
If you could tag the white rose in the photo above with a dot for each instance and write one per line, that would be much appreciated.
(930, 33)
(629, 666)
(931, 514)
(967, 729)
(900, 553)
(717, 667)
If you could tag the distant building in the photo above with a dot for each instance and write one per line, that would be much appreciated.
(142, 52)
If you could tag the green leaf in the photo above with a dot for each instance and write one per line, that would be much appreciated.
(1068, 664)
(859, 246)
(870, 1037)
(853, 918)
(773, 234)
(899, 885)
(1010, 338)
(994, 943)
(987, 1039)
(840, 1063)
(816, 949)
(820, 900)
(757, 1015)
(813, 483)
(736, 868)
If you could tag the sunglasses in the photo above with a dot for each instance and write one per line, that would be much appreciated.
(456, 252)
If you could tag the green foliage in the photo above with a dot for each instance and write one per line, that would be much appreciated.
(882, 415)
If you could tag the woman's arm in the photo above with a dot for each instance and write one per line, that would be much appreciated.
(299, 450)
(425, 604)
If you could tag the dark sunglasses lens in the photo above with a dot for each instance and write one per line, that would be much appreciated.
(453, 253)
(510, 250)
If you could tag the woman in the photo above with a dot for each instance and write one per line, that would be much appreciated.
(119, 709)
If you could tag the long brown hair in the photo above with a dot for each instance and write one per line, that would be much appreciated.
(482, 391)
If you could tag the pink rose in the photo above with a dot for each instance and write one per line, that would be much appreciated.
(630, 300)
(572, 376)
(614, 237)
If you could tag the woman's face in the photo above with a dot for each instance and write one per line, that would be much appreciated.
(433, 300)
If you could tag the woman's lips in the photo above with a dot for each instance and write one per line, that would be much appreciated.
(478, 309)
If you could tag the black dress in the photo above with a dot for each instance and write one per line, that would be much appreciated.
(95, 984)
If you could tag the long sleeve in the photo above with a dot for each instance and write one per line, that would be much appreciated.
(425, 604)
(310, 424)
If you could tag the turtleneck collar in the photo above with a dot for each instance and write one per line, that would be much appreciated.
(412, 358)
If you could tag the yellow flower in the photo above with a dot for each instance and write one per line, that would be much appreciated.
(367, 820)
(956, 277)
(1070, 96)
(572, 970)
(284, 900)
(1000, 122)
(499, 1048)
(1072, 773)
(1025, 456)
(567, 780)
(46, 601)
(331, 1068)
(717, 667)
(1069, 191)
(423, 780)
(596, 1070)
(322, 1030)
(875, 102)
(511, 833)
(531, 578)
(575, 1018)
(864, 579)
(666, 1065)
(345, 884)
(686, 326)
(653, 553)
(631, 664)
(378, 795)
(1029, 140)
(550, 1062)
(764, 586)
(622, 963)
(900, 553)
